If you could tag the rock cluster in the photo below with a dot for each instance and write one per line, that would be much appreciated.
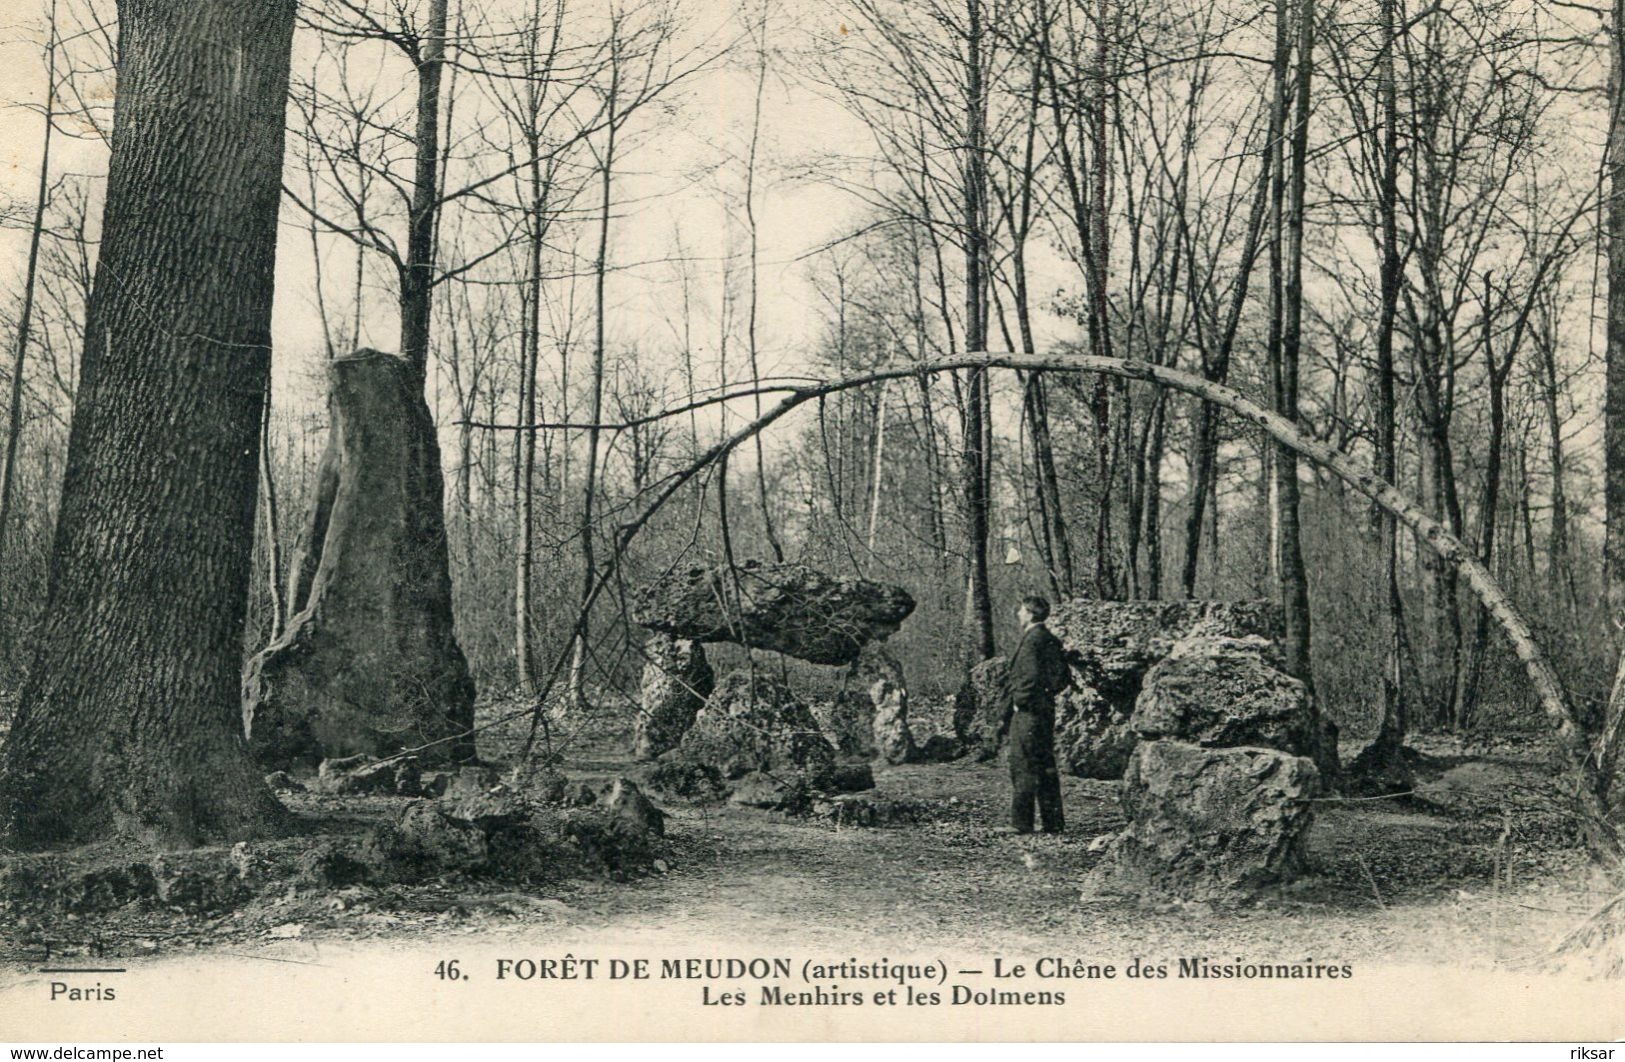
(754, 723)
(786, 608)
(1110, 646)
(1217, 791)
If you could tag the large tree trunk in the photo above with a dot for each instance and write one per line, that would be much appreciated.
(128, 723)
(368, 663)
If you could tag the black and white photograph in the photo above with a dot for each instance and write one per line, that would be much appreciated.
(537, 521)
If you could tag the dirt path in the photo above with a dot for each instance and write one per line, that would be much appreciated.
(1443, 911)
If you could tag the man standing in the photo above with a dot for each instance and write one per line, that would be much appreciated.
(1037, 673)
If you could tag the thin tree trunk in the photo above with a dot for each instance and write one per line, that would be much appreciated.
(974, 457)
(1293, 582)
(1560, 563)
(877, 476)
(273, 523)
(417, 274)
(1613, 552)
(755, 284)
(530, 355)
(25, 317)
(1153, 498)
(1489, 507)
(589, 492)
(1385, 752)
(1204, 487)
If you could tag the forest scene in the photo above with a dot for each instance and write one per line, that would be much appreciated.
(540, 468)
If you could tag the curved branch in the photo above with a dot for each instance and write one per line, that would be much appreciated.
(1602, 839)
(1590, 789)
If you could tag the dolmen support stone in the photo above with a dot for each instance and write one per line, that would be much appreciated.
(882, 676)
(677, 679)
(1217, 794)
(753, 723)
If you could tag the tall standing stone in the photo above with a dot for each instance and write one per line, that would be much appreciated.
(369, 662)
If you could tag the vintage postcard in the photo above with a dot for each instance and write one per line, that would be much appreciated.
(819, 520)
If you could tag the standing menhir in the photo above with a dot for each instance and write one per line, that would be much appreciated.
(369, 662)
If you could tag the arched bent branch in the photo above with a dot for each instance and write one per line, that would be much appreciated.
(1601, 838)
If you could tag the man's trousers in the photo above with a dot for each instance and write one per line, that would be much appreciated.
(1033, 776)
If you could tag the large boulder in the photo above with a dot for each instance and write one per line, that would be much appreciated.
(1110, 646)
(979, 709)
(1210, 823)
(787, 608)
(753, 722)
(1224, 692)
(677, 679)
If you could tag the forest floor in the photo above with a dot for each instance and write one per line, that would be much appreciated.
(1478, 867)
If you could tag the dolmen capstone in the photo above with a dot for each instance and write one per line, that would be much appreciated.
(1217, 792)
(786, 608)
(1110, 647)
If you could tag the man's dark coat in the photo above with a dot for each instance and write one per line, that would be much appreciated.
(1036, 674)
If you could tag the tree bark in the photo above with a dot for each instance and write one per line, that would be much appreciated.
(417, 272)
(1496, 373)
(589, 494)
(273, 524)
(1385, 754)
(128, 722)
(1560, 560)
